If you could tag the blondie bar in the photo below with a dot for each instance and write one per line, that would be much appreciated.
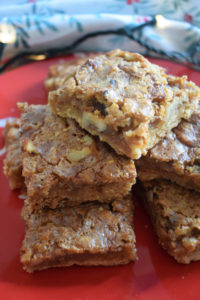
(63, 165)
(92, 233)
(13, 161)
(125, 100)
(176, 157)
(175, 214)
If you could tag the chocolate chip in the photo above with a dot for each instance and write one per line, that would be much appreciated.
(99, 106)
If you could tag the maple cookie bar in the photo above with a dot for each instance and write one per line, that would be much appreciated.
(175, 214)
(176, 157)
(13, 161)
(63, 165)
(124, 99)
(89, 234)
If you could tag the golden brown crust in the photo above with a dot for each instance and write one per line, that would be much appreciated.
(176, 157)
(175, 213)
(13, 161)
(62, 164)
(125, 100)
(89, 234)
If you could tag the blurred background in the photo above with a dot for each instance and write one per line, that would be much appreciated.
(161, 28)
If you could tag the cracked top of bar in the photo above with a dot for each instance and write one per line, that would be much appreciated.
(60, 72)
(175, 213)
(124, 99)
(89, 234)
(62, 164)
(176, 157)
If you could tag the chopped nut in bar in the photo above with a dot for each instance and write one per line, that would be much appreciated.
(13, 161)
(125, 100)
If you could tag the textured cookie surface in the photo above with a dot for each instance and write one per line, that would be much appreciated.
(125, 100)
(89, 234)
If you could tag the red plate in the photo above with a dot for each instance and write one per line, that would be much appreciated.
(154, 276)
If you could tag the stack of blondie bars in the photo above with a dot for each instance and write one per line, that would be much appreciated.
(170, 176)
(76, 159)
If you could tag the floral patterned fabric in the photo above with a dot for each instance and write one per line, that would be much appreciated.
(34, 25)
